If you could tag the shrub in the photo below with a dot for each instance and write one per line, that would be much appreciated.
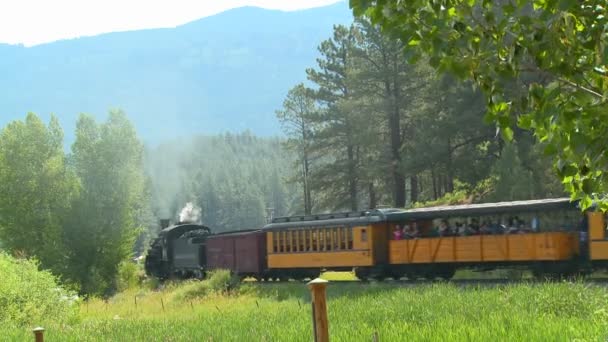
(30, 296)
(217, 281)
(129, 275)
(222, 281)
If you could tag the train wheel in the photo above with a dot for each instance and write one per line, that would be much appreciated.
(396, 275)
(380, 277)
(430, 276)
(447, 273)
(362, 274)
(411, 276)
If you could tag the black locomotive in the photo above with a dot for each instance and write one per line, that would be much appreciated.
(178, 251)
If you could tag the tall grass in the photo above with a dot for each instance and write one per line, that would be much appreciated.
(281, 312)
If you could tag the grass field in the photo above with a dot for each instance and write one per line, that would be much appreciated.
(281, 312)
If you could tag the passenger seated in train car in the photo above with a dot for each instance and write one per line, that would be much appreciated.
(535, 224)
(485, 227)
(512, 225)
(407, 232)
(411, 231)
(434, 231)
(473, 227)
(445, 229)
(397, 233)
(415, 231)
(460, 229)
(495, 228)
(523, 227)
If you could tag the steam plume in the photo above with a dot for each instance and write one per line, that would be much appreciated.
(190, 213)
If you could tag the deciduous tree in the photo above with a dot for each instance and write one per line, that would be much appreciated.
(555, 50)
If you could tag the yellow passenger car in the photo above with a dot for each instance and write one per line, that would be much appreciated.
(555, 247)
(302, 246)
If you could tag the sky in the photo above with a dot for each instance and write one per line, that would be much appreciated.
(32, 22)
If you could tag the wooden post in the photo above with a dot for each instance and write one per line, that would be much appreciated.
(319, 309)
(39, 334)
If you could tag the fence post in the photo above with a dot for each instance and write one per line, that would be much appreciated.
(39, 334)
(319, 309)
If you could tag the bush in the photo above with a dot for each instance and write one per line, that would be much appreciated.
(217, 281)
(29, 296)
(222, 281)
(130, 275)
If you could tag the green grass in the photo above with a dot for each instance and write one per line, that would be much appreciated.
(281, 312)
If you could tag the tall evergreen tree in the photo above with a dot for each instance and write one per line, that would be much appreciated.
(337, 138)
(298, 121)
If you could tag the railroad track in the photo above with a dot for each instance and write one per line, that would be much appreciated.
(459, 282)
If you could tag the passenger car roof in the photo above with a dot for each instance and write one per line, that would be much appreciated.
(396, 214)
(482, 209)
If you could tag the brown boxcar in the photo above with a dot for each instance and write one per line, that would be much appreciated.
(242, 252)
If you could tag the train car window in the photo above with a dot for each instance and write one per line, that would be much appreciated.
(328, 240)
(275, 242)
(335, 240)
(280, 240)
(363, 235)
(349, 233)
(307, 240)
(285, 242)
(339, 234)
(322, 239)
(343, 237)
(297, 241)
(310, 247)
(289, 241)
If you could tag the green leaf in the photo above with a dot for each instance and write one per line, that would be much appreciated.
(525, 121)
(588, 186)
(507, 133)
(586, 202)
(550, 149)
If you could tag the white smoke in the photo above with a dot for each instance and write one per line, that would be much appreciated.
(190, 213)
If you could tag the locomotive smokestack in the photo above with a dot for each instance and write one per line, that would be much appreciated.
(164, 223)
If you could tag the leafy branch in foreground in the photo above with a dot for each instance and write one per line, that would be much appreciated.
(541, 64)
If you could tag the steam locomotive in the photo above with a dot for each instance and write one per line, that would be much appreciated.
(187, 250)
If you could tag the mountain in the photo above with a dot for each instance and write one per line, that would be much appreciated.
(227, 72)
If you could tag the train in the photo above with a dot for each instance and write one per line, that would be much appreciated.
(550, 237)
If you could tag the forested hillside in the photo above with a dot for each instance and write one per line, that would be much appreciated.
(226, 72)
(238, 180)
